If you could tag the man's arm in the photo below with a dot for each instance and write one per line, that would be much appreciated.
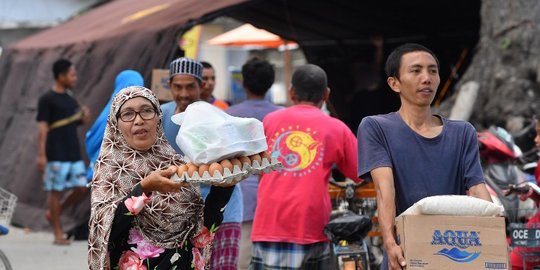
(480, 191)
(43, 129)
(386, 209)
(85, 115)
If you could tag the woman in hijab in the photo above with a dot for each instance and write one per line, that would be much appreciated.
(140, 218)
(94, 135)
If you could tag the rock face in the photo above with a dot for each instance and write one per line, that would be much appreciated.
(506, 65)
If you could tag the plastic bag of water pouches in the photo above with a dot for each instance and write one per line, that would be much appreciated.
(208, 134)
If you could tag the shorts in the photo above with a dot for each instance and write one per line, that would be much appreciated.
(62, 175)
(290, 256)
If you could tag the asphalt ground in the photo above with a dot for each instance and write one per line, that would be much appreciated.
(35, 250)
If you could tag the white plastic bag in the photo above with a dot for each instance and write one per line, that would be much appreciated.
(208, 134)
(454, 205)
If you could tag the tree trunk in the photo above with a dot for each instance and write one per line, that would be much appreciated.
(506, 65)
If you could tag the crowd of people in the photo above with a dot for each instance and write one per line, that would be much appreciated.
(142, 219)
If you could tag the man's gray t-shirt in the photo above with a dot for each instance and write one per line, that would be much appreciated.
(256, 109)
(446, 164)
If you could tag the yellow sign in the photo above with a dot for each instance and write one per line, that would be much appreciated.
(190, 42)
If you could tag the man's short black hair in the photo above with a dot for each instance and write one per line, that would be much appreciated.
(206, 65)
(258, 76)
(61, 66)
(393, 62)
(309, 83)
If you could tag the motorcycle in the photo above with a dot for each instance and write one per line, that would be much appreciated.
(525, 235)
(502, 163)
(353, 225)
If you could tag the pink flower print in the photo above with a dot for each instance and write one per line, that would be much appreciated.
(203, 238)
(135, 236)
(198, 262)
(146, 250)
(136, 204)
(131, 261)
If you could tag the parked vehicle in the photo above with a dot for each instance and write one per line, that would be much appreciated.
(502, 161)
(524, 139)
(525, 233)
(355, 210)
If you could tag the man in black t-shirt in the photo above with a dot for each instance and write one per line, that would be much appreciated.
(59, 156)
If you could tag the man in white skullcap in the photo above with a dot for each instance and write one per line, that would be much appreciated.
(186, 83)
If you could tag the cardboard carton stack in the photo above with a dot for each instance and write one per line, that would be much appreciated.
(441, 242)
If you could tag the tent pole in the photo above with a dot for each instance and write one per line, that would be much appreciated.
(287, 70)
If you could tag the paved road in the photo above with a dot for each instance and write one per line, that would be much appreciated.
(34, 250)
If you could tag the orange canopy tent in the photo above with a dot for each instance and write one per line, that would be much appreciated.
(248, 34)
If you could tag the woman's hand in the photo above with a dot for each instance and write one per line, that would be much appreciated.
(160, 181)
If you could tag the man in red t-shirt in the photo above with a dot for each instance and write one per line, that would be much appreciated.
(293, 205)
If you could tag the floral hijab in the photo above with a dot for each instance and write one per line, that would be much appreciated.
(169, 219)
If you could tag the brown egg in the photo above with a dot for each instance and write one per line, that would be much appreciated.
(264, 154)
(236, 162)
(215, 167)
(181, 169)
(227, 164)
(255, 157)
(203, 168)
(192, 168)
(245, 160)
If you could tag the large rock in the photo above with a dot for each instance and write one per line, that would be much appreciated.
(506, 64)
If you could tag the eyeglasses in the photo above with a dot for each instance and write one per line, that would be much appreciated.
(145, 114)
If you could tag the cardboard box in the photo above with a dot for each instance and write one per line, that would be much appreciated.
(160, 84)
(453, 242)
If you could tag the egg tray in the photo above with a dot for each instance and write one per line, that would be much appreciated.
(238, 174)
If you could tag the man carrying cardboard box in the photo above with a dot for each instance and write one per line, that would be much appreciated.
(412, 154)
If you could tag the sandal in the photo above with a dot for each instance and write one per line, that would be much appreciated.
(61, 242)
